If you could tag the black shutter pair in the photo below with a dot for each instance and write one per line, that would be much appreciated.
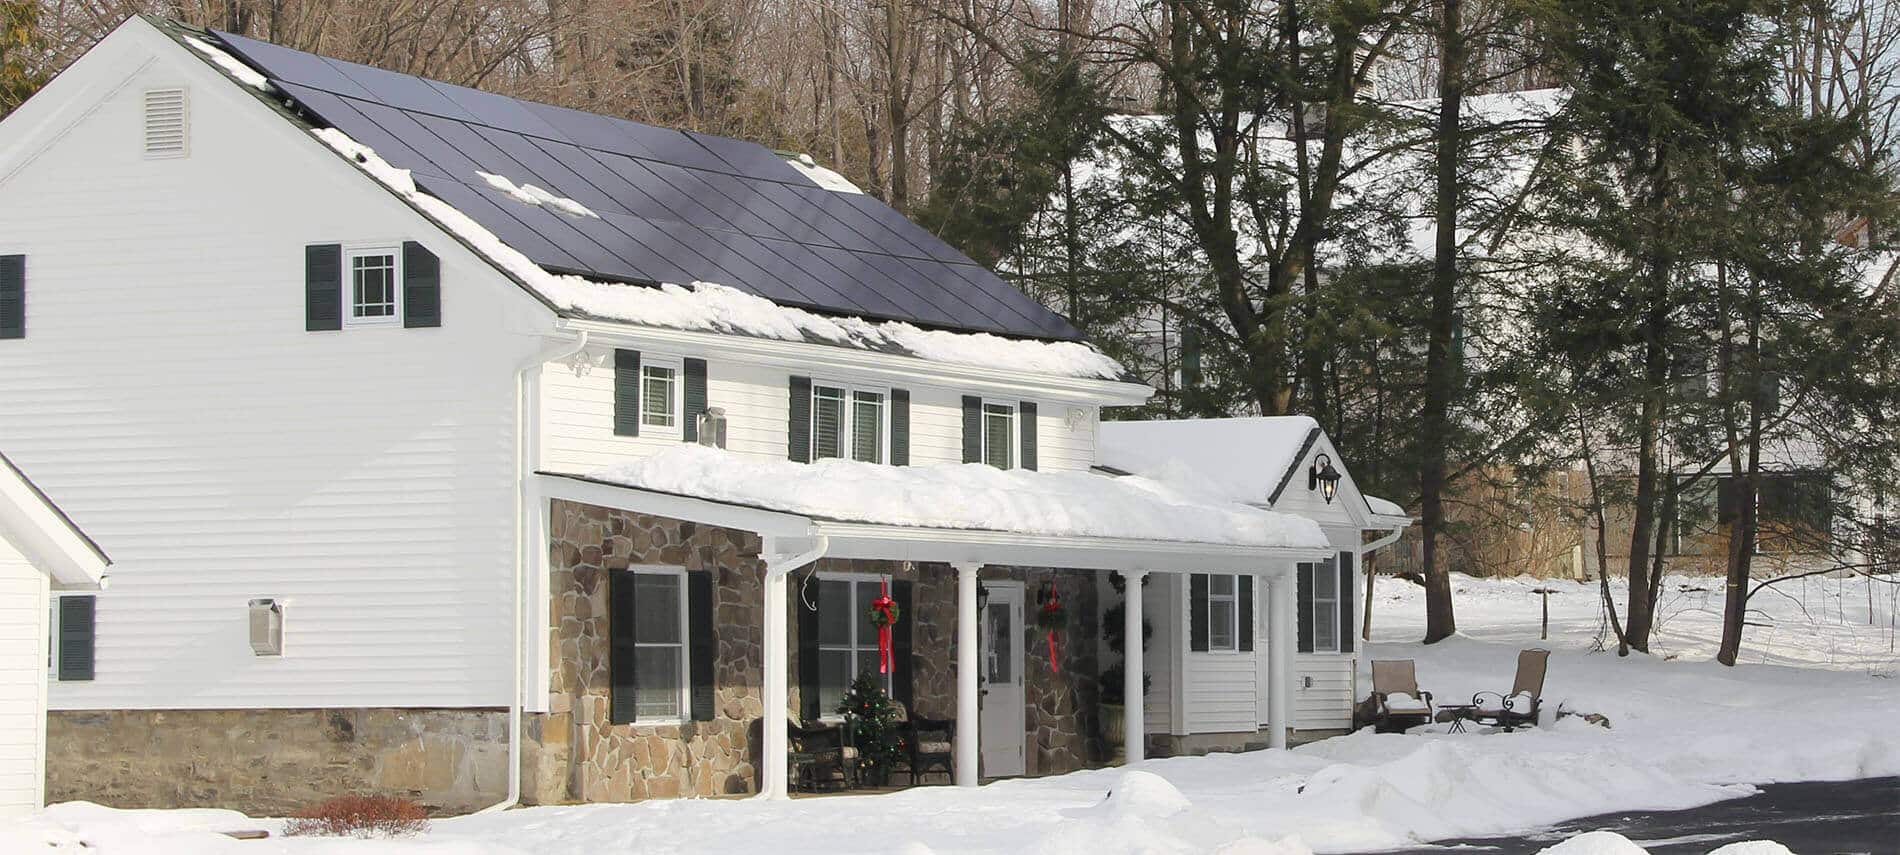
(323, 286)
(701, 646)
(1346, 570)
(902, 681)
(1197, 611)
(798, 423)
(973, 431)
(627, 394)
(12, 296)
(76, 637)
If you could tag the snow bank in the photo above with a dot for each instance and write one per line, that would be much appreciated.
(710, 307)
(963, 496)
(1596, 843)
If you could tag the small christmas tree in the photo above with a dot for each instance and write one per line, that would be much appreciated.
(871, 720)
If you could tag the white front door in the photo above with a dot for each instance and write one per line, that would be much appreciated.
(1004, 717)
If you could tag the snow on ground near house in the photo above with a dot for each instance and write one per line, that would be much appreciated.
(1684, 732)
(965, 496)
(709, 307)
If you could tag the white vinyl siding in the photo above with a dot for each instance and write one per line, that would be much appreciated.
(23, 605)
(366, 480)
(1327, 704)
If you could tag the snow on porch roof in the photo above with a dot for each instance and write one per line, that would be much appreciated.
(1241, 459)
(970, 497)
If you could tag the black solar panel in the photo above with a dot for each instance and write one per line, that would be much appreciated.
(673, 206)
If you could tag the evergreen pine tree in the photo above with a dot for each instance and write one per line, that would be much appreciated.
(21, 47)
(870, 718)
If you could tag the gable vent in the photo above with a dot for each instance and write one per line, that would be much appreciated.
(165, 123)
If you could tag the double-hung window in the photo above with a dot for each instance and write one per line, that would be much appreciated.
(659, 643)
(1223, 612)
(847, 423)
(847, 642)
(999, 435)
(1326, 606)
(660, 396)
(375, 281)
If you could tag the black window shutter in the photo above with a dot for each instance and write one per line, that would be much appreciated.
(972, 429)
(703, 646)
(76, 637)
(695, 399)
(323, 287)
(1244, 585)
(621, 671)
(1303, 590)
(798, 426)
(1347, 560)
(900, 427)
(12, 296)
(901, 687)
(626, 392)
(421, 286)
(1197, 612)
(1026, 423)
(808, 652)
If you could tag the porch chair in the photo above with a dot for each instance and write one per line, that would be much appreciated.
(1397, 701)
(1520, 707)
(932, 744)
(819, 756)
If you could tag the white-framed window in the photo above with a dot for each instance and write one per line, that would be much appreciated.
(1223, 612)
(847, 642)
(659, 644)
(660, 391)
(373, 280)
(1326, 606)
(52, 637)
(848, 422)
(999, 435)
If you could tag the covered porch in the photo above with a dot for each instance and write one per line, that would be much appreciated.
(790, 542)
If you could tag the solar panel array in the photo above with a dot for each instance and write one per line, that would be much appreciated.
(674, 206)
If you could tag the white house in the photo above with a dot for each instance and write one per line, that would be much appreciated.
(1210, 670)
(42, 556)
(420, 482)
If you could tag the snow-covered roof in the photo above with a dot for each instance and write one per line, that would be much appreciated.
(699, 306)
(1383, 507)
(970, 496)
(1241, 459)
(32, 524)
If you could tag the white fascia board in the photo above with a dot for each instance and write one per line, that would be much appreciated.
(815, 358)
(861, 540)
(721, 514)
(45, 536)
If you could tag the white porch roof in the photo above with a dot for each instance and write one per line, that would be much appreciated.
(953, 514)
(40, 530)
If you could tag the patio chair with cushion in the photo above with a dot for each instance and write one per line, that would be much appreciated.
(1521, 706)
(932, 745)
(820, 757)
(1397, 702)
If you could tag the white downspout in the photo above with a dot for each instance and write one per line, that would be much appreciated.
(527, 450)
(774, 738)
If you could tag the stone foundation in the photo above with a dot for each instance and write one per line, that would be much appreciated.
(276, 762)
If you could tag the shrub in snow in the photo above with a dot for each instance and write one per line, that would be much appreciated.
(1753, 847)
(1144, 794)
(1596, 843)
(360, 816)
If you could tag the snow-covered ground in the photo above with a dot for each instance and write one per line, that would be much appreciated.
(1683, 732)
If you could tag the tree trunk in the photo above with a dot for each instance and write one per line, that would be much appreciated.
(1648, 459)
(1744, 527)
(1435, 418)
(897, 110)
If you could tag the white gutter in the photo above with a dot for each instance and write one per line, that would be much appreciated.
(1397, 532)
(527, 443)
(772, 724)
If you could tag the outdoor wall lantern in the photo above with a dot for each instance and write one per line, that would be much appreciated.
(1323, 477)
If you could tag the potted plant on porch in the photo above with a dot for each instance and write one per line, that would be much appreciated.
(1113, 719)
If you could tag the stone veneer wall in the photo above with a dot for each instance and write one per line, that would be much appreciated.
(276, 762)
(573, 753)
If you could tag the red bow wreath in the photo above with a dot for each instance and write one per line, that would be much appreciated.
(883, 614)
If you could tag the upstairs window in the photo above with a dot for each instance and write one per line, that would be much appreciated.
(659, 397)
(374, 281)
(847, 423)
(999, 435)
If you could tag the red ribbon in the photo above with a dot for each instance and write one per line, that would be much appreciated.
(1050, 605)
(884, 604)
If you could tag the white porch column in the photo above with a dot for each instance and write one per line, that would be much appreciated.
(1280, 643)
(776, 736)
(1134, 700)
(968, 716)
